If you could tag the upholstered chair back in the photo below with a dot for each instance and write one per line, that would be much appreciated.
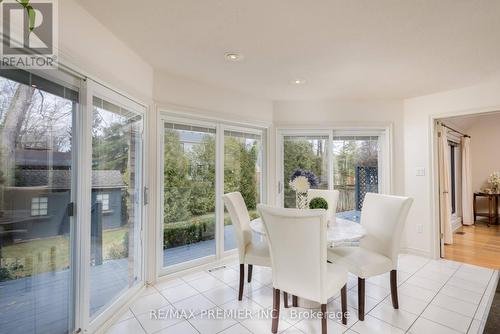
(297, 245)
(240, 218)
(384, 217)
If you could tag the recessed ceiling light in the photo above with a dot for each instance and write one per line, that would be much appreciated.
(298, 81)
(231, 56)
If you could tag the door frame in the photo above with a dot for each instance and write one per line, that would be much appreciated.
(94, 88)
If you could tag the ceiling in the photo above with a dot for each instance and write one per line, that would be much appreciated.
(466, 122)
(356, 49)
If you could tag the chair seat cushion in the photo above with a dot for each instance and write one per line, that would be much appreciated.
(258, 253)
(336, 278)
(360, 262)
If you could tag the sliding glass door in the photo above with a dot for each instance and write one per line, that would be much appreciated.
(355, 172)
(243, 166)
(304, 153)
(36, 188)
(351, 161)
(189, 205)
(116, 215)
(202, 161)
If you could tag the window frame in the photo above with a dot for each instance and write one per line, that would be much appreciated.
(39, 209)
(385, 158)
(167, 115)
(104, 199)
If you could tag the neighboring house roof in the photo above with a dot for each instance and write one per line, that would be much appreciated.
(32, 157)
(61, 179)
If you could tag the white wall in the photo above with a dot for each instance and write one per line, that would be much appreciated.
(485, 139)
(418, 113)
(180, 93)
(359, 113)
(87, 45)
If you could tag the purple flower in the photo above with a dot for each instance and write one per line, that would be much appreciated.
(313, 180)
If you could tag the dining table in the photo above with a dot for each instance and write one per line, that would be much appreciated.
(340, 232)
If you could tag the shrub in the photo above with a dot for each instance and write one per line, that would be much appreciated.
(318, 203)
(188, 232)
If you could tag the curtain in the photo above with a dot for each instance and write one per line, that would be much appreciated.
(444, 185)
(467, 206)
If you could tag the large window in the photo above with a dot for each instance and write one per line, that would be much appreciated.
(201, 162)
(348, 161)
(242, 173)
(189, 225)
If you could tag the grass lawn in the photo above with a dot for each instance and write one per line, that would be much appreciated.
(50, 254)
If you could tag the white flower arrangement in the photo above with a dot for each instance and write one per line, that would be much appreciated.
(300, 184)
(494, 179)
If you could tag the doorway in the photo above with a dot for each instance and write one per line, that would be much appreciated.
(468, 206)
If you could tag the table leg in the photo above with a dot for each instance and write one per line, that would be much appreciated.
(474, 208)
(490, 210)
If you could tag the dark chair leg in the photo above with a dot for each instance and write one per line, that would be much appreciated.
(394, 288)
(361, 298)
(250, 268)
(295, 301)
(285, 299)
(343, 301)
(276, 310)
(242, 281)
(324, 328)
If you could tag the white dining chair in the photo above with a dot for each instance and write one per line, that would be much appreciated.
(330, 196)
(249, 251)
(298, 248)
(383, 217)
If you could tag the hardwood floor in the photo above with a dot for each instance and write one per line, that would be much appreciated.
(479, 245)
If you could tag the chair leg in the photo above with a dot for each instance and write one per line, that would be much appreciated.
(394, 288)
(324, 328)
(361, 298)
(242, 281)
(285, 299)
(295, 301)
(250, 268)
(343, 301)
(276, 310)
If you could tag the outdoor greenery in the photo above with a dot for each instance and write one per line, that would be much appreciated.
(300, 154)
(310, 155)
(26, 258)
(194, 230)
(189, 183)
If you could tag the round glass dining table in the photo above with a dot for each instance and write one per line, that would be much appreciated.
(342, 232)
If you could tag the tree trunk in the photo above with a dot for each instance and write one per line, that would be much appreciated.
(14, 119)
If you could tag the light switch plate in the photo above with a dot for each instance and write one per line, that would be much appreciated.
(420, 171)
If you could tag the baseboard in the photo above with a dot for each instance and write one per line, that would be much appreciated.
(415, 251)
(456, 223)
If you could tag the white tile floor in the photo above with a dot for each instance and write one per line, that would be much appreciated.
(435, 296)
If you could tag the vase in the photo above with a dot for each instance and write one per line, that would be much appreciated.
(301, 200)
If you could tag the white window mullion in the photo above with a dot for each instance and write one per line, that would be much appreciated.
(83, 142)
(219, 190)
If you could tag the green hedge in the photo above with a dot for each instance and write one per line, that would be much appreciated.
(196, 229)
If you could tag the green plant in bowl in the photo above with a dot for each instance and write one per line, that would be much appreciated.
(318, 203)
